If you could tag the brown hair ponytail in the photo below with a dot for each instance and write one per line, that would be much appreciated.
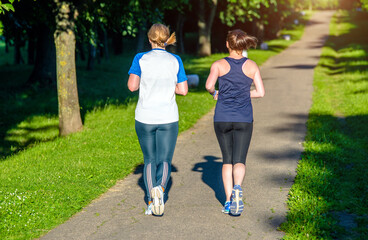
(239, 40)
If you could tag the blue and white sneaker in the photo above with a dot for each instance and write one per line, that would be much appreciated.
(226, 208)
(149, 209)
(237, 205)
(157, 196)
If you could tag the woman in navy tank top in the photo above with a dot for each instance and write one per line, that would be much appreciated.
(233, 120)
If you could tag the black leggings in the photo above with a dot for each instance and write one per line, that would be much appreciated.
(234, 139)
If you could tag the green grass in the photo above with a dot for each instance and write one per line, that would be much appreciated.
(45, 179)
(330, 194)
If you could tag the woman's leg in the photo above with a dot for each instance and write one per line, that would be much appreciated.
(147, 139)
(238, 172)
(227, 179)
(224, 134)
(166, 140)
(242, 136)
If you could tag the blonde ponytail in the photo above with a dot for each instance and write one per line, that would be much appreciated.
(160, 35)
(171, 40)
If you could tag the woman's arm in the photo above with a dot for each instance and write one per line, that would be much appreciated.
(133, 82)
(258, 83)
(182, 88)
(212, 79)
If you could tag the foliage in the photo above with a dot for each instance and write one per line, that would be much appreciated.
(6, 6)
(241, 11)
(127, 17)
(315, 4)
(364, 4)
(1, 29)
(329, 196)
(27, 19)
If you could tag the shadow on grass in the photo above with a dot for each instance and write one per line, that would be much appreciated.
(22, 137)
(333, 178)
(105, 85)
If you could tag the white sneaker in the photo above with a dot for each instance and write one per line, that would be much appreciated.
(157, 196)
(149, 209)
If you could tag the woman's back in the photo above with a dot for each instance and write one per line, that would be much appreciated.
(159, 73)
(234, 103)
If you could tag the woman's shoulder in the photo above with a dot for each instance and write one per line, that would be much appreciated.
(140, 55)
(220, 62)
(250, 64)
(174, 56)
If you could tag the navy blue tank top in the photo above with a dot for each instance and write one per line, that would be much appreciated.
(234, 103)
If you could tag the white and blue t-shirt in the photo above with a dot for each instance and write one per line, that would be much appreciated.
(159, 72)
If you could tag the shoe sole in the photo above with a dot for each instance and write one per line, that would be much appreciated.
(158, 202)
(237, 205)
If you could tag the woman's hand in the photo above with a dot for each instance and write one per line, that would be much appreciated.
(215, 96)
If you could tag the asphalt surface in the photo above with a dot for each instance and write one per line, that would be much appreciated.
(195, 193)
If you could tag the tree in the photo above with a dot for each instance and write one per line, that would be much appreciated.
(205, 22)
(69, 111)
(13, 31)
(44, 71)
(277, 16)
(252, 11)
(33, 22)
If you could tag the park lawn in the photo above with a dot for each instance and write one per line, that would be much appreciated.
(329, 197)
(45, 179)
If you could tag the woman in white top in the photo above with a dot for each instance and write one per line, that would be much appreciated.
(159, 76)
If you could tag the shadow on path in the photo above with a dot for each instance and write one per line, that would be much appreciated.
(139, 170)
(212, 175)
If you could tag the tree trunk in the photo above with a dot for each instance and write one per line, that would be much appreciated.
(31, 47)
(179, 33)
(91, 56)
(18, 44)
(80, 50)
(141, 37)
(204, 27)
(18, 59)
(69, 111)
(106, 44)
(44, 71)
(104, 50)
(117, 43)
(7, 45)
(259, 30)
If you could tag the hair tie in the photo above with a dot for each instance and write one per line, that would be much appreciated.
(165, 44)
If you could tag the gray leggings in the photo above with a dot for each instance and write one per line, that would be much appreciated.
(157, 142)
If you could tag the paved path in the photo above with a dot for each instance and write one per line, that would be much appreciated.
(193, 209)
